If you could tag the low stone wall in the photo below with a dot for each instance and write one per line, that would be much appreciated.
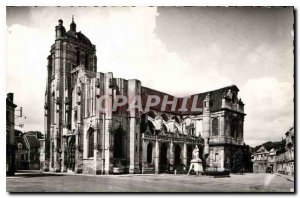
(34, 166)
(88, 166)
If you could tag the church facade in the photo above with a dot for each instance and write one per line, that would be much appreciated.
(85, 133)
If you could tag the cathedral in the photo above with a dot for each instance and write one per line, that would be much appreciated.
(85, 134)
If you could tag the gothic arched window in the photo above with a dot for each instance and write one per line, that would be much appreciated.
(240, 129)
(149, 153)
(91, 143)
(215, 127)
(233, 128)
(52, 111)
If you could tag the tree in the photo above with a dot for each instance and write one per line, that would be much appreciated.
(248, 164)
(237, 163)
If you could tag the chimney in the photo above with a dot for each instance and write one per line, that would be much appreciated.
(10, 97)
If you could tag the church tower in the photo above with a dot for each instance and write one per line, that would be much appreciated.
(71, 51)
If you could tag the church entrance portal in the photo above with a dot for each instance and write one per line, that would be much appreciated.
(120, 163)
(118, 144)
(71, 153)
(177, 157)
(149, 153)
(163, 165)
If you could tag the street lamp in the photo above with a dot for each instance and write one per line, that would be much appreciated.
(97, 131)
(20, 146)
(78, 134)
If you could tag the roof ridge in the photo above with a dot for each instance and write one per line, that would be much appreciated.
(233, 85)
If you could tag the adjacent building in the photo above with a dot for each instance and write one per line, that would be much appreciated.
(28, 151)
(285, 160)
(33, 146)
(10, 134)
(84, 134)
(281, 160)
(264, 159)
(21, 152)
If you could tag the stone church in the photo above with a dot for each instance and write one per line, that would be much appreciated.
(81, 137)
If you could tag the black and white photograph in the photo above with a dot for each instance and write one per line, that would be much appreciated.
(150, 99)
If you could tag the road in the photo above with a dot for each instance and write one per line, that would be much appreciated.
(47, 182)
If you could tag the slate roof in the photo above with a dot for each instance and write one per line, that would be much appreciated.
(37, 134)
(18, 133)
(145, 92)
(79, 36)
(20, 139)
(33, 141)
(216, 97)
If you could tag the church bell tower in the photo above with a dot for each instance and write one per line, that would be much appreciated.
(71, 50)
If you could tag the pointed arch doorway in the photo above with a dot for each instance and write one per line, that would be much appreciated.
(71, 153)
(149, 153)
(163, 160)
(119, 141)
(177, 156)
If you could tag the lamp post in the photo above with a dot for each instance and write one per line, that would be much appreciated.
(78, 91)
(78, 134)
(20, 146)
(103, 140)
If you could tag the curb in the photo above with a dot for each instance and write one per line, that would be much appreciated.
(280, 175)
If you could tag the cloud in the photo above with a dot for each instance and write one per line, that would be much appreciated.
(269, 107)
(26, 72)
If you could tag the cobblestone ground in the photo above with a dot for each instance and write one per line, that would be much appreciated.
(39, 182)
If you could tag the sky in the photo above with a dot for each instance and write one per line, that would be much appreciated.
(177, 50)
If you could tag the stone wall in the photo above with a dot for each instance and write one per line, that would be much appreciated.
(88, 166)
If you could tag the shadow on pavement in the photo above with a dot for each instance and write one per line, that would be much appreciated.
(26, 174)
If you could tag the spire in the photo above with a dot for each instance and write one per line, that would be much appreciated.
(73, 25)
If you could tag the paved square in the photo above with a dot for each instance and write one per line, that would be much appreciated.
(41, 182)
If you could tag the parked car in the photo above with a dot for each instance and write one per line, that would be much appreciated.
(211, 171)
(120, 166)
(180, 169)
(269, 170)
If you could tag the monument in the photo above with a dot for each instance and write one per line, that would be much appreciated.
(196, 163)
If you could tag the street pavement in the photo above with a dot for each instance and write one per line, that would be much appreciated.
(56, 182)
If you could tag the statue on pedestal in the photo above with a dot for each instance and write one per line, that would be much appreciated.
(196, 163)
(196, 153)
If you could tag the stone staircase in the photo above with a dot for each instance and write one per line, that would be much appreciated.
(149, 170)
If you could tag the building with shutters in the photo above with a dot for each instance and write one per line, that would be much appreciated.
(85, 134)
(264, 159)
(285, 161)
(28, 150)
